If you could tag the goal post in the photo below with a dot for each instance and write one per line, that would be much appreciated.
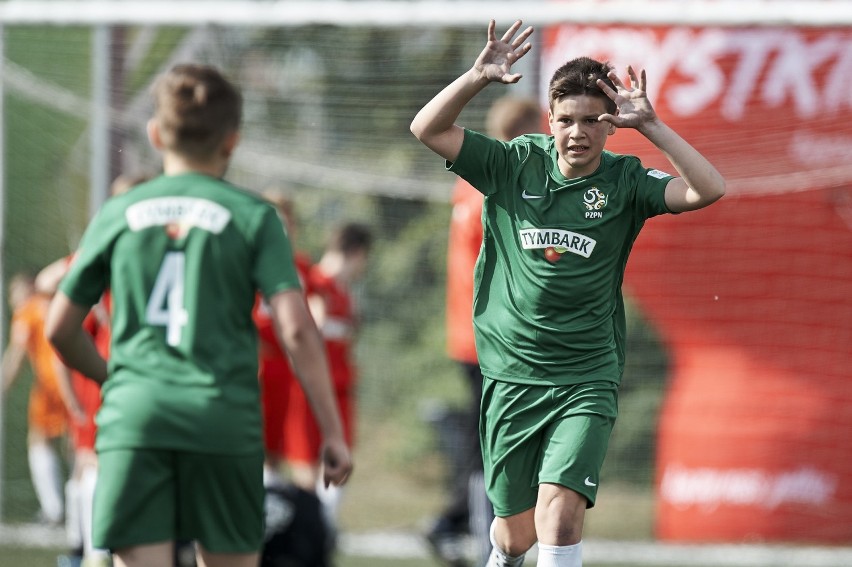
(395, 13)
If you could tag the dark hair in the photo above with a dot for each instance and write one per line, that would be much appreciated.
(351, 237)
(579, 77)
(196, 108)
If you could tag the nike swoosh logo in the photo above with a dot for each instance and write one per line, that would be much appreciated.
(526, 195)
(588, 481)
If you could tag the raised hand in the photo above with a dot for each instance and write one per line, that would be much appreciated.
(634, 108)
(497, 57)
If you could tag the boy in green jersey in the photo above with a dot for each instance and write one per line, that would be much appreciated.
(179, 431)
(560, 217)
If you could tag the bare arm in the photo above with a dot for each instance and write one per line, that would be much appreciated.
(302, 341)
(699, 184)
(47, 280)
(64, 329)
(435, 124)
(13, 358)
(66, 392)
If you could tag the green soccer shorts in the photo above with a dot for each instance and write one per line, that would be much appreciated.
(543, 434)
(147, 496)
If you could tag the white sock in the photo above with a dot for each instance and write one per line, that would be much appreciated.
(44, 470)
(88, 481)
(498, 557)
(560, 555)
(271, 477)
(73, 527)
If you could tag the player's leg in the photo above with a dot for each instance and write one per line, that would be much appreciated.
(511, 537)
(47, 420)
(510, 433)
(574, 447)
(560, 513)
(208, 559)
(153, 555)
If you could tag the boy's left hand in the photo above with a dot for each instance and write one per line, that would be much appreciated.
(634, 108)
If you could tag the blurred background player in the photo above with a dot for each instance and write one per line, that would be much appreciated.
(180, 444)
(275, 373)
(468, 510)
(51, 398)
(343, 263)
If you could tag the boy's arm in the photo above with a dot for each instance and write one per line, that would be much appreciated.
(13, 358)
(699, 184)
(66, 392)
(301, 339)
(64, 329)
(435, 124)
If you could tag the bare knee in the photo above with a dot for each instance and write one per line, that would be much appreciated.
(514, 535)
(559, 515)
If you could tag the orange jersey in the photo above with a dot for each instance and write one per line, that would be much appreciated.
(28, 323)
(47, 411)
(465, 242)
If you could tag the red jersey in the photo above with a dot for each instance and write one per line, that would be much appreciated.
(338, 327)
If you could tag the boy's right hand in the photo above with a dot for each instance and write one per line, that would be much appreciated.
(495, 61)
(336, 461)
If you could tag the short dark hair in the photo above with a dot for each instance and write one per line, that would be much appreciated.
(579, 77)
(196, 108)
(351, 237)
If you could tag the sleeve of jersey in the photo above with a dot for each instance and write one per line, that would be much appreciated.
(274, 267)
(88, 275)
(650, 196)
(485, 162)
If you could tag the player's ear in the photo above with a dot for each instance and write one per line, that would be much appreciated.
(230, 143)
(153, 130)
(550, 121)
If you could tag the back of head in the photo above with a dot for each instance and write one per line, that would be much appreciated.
(579, 77)
(351, 238)
(510, 117)
(196, 108)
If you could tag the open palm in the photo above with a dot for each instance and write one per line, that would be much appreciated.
(497, 57)
(634, 108)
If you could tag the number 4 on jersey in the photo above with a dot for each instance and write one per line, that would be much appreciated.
(165, 306)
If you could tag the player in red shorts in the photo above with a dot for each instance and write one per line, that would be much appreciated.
(343, 262)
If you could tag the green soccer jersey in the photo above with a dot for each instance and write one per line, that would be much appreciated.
(547, 301)
(183, 257)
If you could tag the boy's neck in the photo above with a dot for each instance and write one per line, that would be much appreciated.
(174, 164)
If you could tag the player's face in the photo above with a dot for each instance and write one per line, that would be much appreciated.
(579, 137)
